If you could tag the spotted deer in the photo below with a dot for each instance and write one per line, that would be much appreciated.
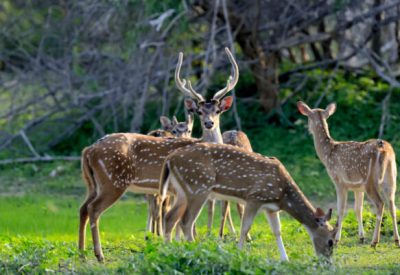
(238, 139)
(209, 113)
(207, 170)
(170, 128)
(360, 167)
(126, 161)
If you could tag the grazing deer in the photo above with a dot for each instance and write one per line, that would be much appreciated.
(207, 170)
(124, 161)
(238, 139)
(368, 167)
(170, 128)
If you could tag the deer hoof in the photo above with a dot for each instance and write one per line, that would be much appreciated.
(100, 258)
(248, 238)
(362, 240)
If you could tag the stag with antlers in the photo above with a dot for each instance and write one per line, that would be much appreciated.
(125, 161)
(209, 113)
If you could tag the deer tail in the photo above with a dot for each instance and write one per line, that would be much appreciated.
(383, 159)
(87, 172)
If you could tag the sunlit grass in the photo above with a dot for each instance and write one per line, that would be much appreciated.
(39, 234)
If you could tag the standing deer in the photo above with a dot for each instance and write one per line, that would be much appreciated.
(124, 161)
(207, 170)
(170, 128)
(209, 113)
(368, 166)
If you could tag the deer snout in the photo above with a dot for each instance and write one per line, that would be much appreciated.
(209, 124)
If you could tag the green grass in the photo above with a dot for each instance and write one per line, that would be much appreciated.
(39, 222)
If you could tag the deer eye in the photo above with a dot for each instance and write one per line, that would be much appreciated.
(330, 243)
(218, 111)
(174, 132)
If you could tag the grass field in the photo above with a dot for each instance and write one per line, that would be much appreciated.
(39, 222)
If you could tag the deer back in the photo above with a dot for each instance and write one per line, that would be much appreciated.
(133, 159)
(237, 138)
(229, 170)
(357, 162)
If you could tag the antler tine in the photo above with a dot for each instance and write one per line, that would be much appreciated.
(232, 81)
(195, 94)
(181, 84)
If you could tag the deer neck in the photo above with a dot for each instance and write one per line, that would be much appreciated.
(212, 136)
(322, 141)
(299, 207)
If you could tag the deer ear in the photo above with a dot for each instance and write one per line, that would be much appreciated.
(330, 110)
(225, 104)
(174, 121)
(191, 105)
(166, 123)
(328, 215)
(303, 108)
(319, 213)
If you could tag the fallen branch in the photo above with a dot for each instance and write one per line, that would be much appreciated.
(38, 159)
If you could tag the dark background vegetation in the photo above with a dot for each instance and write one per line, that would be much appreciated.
(73, 71)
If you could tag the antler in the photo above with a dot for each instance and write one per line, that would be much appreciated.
(232, 81)
(181, 84)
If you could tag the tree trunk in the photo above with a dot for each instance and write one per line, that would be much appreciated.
(265, 67)
(376, 40)
(265, 70)
(325, 45)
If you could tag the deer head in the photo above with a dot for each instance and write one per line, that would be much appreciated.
(323, 236)
(208, 111)
(316, 117)
(176, 128)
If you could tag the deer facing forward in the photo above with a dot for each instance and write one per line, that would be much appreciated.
(368, 167)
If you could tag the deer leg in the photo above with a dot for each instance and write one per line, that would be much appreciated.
(224, 213)
(392, 208)
(275, 223)
(230, 221)
(358, 209)
(191, 214)
(250, 212)
(178, 231)
(341, 205)
(84, 217)
(159, 213)
(211, 209)
(150, 218)
(103, 201)
(173, 216)
(379, 204)
(390, 192)
(240, 209)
